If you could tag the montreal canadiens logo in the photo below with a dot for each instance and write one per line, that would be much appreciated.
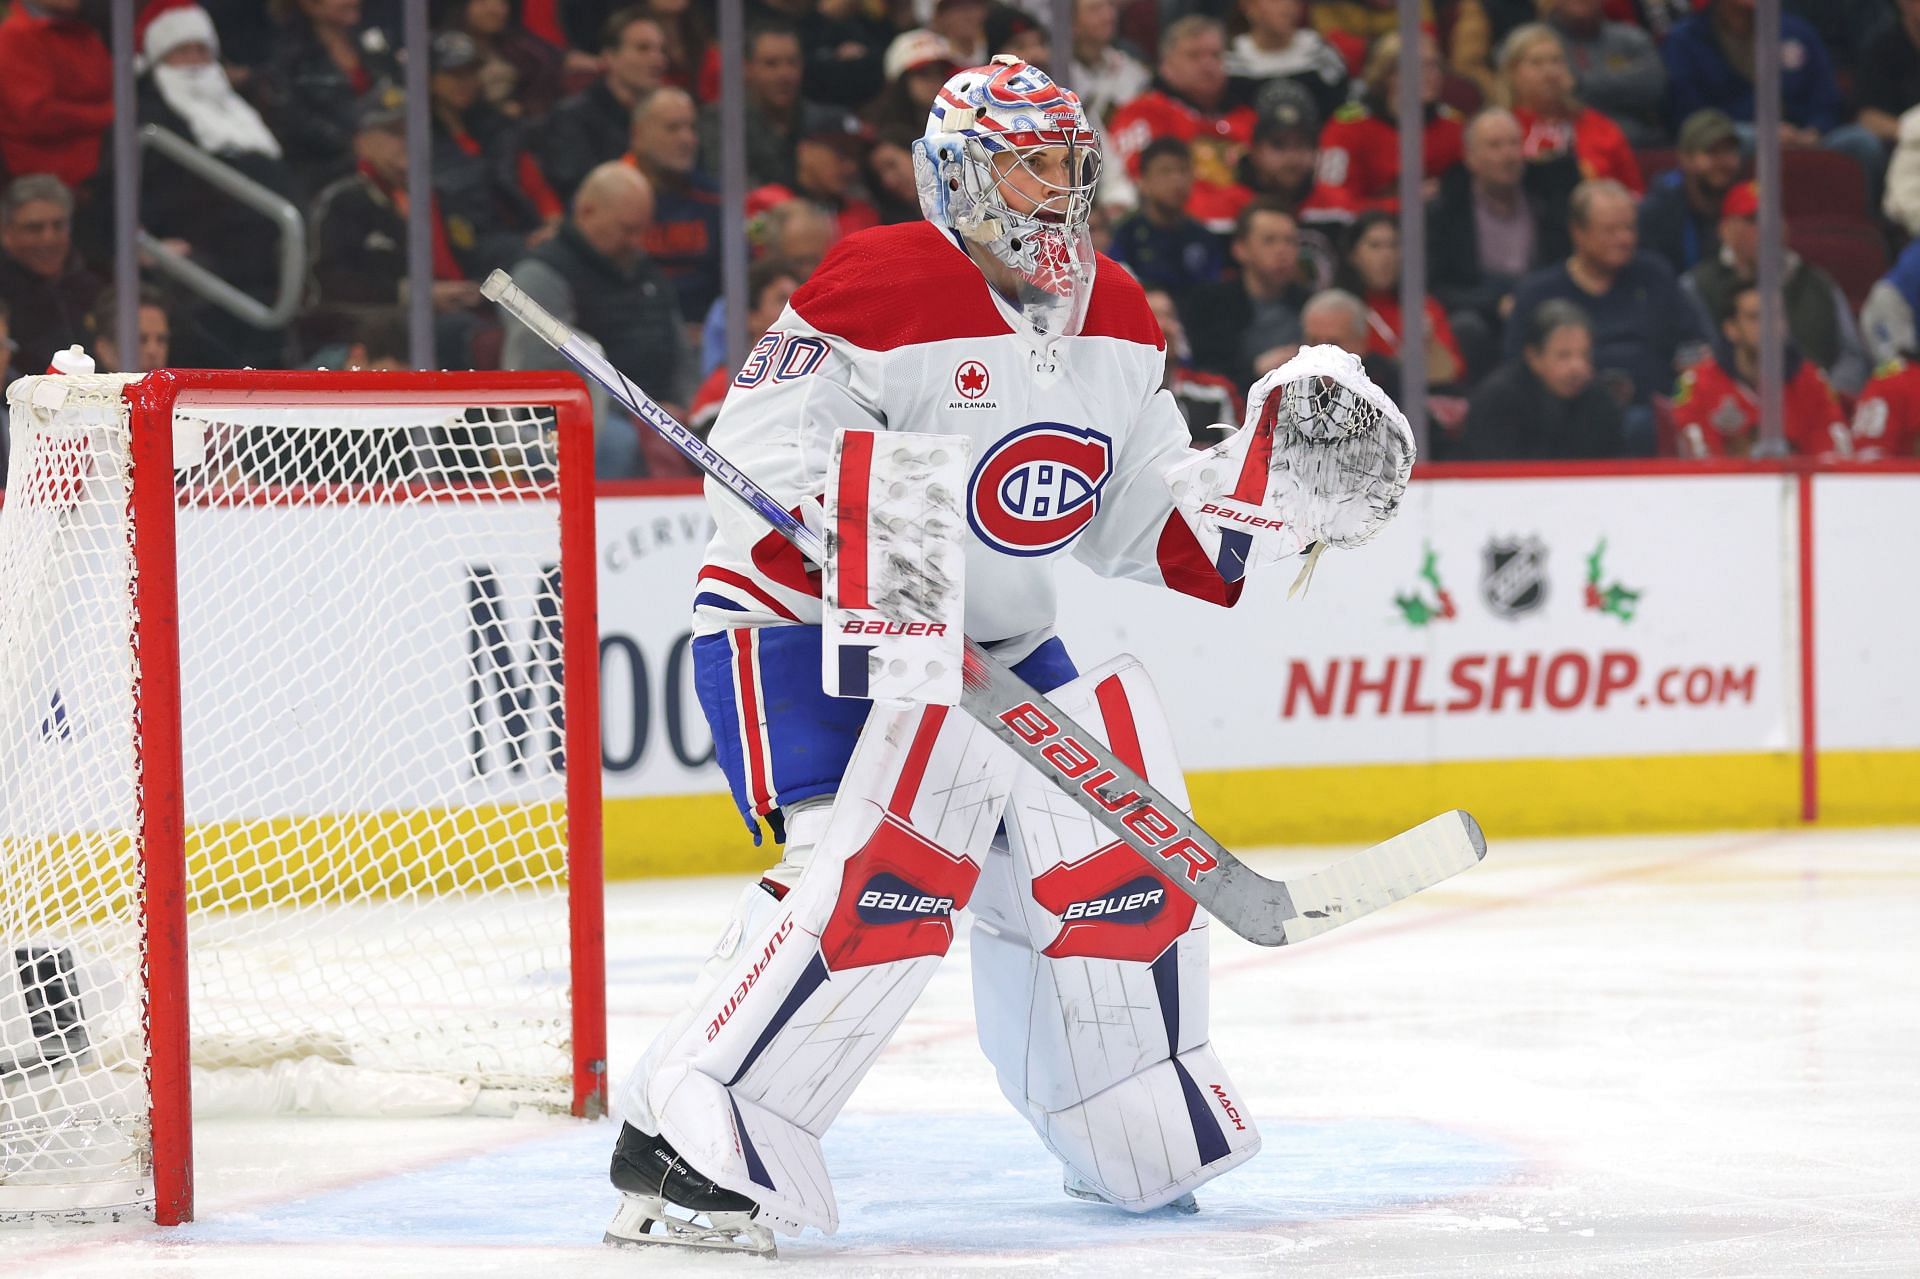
(970, 380)
(1034, 491)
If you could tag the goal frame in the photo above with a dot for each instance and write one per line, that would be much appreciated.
(158, 759)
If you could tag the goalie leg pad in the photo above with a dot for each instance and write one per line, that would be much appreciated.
(1090, 977)
(745, 1083)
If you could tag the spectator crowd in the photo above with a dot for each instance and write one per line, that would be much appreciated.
(1592, 246)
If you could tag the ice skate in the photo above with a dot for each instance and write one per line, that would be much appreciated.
(665, 1201)
(1078, 1188)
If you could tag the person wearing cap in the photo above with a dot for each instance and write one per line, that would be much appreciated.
(1537, 85)
(184, 89)
(593, 126)
(1644, 331)
(1189, 101)
(324, 61)
(56, 91)
(1278, 45)
(1283, 162)
(827, 162)
(491, 196)
(358, 233)
(1701, 73)
(1102, 73)
(520, 74)
(918, 62)
(1716, 406)
(1497, 219)
(1680, 217)
(771, 67)
(1819, 320)
(685, 240)
(1360, 145)
(1616, 67)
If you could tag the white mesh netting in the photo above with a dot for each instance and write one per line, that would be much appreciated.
(371, 723)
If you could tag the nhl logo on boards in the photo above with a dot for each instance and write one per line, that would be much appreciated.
(970, 383)
(1513, 577)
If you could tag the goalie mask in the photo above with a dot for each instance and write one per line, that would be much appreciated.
(1009, 163)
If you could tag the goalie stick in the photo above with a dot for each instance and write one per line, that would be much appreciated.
(1268, 912)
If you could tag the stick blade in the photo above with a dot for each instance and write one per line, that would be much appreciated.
(1438, 848)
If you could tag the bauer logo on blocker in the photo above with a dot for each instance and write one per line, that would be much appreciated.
(1038, 488)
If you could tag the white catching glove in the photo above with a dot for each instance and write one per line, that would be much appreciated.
(1322, 460)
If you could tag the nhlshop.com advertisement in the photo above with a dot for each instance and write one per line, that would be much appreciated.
(1492, 620)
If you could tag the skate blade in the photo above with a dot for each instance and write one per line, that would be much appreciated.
(634, 1226)
(1186, 1204)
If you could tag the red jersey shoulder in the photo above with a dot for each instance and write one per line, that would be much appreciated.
(1118, 308)
(894, 286)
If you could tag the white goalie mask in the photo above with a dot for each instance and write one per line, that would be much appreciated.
(1009, 163)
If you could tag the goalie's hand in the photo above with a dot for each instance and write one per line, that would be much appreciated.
(1323, 457)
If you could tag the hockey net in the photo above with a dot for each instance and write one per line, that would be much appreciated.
(328, 813)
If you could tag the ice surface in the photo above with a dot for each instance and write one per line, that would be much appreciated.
(1622, 1057)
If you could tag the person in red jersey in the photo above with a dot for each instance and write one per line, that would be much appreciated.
(1538, 85)
(1360, 146)
(1030, 370)
(56, 91)
(1886, 421)
(1716, 410)
(1188, 101)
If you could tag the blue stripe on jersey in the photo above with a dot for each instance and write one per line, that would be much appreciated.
(809, 735)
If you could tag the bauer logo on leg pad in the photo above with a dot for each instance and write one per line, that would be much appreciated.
(1112, 907)
(888, 899)
(897, 898)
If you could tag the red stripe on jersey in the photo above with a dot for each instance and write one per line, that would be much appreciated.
(856, 294)
(914, 771)
(1184, 566)
(850, 508)
(747, 700)
(742, 582)
(1117, 715)
(1251, 487)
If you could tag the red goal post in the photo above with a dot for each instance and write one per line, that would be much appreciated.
(284, 803)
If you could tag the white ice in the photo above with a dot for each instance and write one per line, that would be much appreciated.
(1682, 1056)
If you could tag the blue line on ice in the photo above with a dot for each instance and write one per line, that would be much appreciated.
(952, 1184)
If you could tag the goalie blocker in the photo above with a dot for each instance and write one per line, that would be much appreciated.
(804, 991)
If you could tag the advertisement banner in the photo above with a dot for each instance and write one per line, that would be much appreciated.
(1494, 619)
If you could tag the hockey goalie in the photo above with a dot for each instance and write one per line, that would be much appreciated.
(956, 404)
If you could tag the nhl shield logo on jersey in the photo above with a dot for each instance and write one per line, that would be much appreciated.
(1514, 575)
(1034, 491)
(970, 383)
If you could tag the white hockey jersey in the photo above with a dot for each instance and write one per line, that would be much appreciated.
(898, 329)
